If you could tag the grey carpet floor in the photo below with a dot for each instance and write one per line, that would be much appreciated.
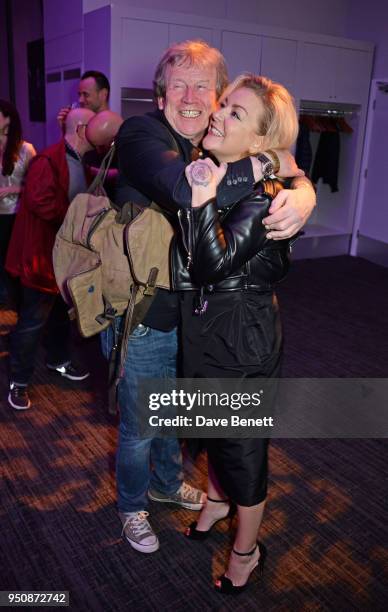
(325, 525)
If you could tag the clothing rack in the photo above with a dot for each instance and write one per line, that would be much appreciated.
(328, 109)
(325, 112)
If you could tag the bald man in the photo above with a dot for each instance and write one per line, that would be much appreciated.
(102, 129)
(101, 133)
(54, 177)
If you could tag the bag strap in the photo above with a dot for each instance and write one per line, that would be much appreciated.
(97, 185)
(113, 379)
(119, 352)
(134, 315)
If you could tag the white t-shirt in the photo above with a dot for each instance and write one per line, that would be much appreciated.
(9, 204)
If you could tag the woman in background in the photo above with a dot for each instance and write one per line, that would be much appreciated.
(15, 155)
(238, 334)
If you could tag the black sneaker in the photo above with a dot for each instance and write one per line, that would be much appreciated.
(69, 370)
(18, 397)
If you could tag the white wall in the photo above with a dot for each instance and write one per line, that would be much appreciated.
(320, 16)
(369, 21)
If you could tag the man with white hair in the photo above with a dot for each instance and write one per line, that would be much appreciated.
(153, 152)
(54, 177)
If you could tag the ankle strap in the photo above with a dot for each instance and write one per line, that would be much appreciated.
(248, 554)
(218, 501)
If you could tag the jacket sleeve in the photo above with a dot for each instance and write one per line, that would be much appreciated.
(220, 248)
(41, 191)
(150, 160)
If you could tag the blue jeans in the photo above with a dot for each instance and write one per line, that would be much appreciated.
(151, 354)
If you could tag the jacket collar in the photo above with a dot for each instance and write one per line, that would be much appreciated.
(184, 143)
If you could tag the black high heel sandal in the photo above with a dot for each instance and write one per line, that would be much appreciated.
(226, 586)
(192, 531)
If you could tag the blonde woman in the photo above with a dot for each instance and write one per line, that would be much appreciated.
(230, 322)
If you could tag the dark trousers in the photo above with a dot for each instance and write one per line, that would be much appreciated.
(9, 286)
(239, 336)
(39, 312)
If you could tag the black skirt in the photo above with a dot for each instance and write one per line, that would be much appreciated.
(239, 336)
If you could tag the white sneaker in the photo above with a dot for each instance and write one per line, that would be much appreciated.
(138, 531)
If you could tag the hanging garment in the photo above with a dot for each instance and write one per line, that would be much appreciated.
(304, 153)
(343, 126)
(327, 160)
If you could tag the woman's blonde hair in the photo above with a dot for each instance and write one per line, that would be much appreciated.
(279, 124)
(190, 53)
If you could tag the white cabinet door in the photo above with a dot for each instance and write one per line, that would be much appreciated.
(353, 76)
(316, 72)
(327, 73)
(142, 45)
(242, 52)
(278, 60)
(178, 33)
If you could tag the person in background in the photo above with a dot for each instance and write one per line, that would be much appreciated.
(15, 155)
(54, 178)
(93, 93)
(233, 269)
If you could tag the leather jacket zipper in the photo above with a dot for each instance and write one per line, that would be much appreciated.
(188, 244)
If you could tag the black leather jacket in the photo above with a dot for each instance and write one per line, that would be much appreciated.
(152, 161)
(227, 250)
